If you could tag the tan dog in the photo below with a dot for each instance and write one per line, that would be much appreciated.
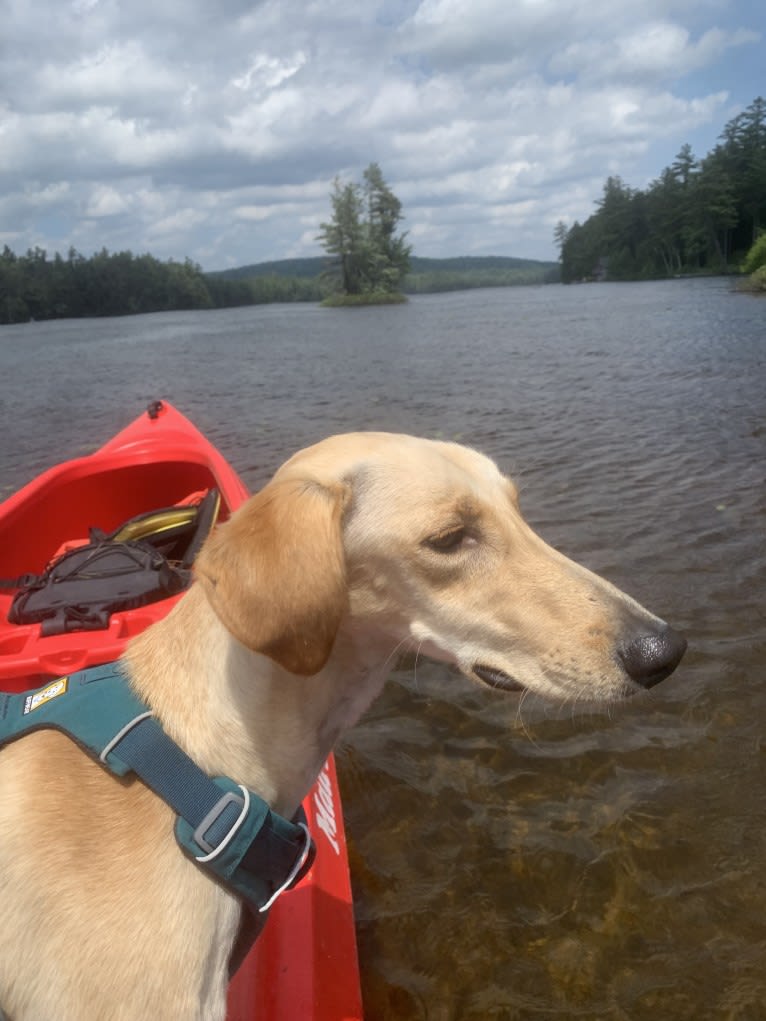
(360, 547)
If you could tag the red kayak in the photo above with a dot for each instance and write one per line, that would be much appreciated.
(304, 967)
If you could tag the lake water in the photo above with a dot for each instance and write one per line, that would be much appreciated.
(511, 860)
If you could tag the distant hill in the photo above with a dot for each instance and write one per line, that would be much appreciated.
(302, 268)
(312, 267)
(428, 276)
(425, 276)
(471, 263)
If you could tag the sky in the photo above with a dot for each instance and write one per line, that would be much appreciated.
(213, 129)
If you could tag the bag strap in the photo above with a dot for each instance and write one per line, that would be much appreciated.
(23, 581)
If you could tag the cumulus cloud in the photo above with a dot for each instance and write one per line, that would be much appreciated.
(214, 131)
(654, 51)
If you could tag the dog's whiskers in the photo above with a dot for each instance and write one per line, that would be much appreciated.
(520, 719)
(415, 667)
(394, 652)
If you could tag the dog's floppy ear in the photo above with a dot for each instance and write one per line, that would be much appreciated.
(275, 573)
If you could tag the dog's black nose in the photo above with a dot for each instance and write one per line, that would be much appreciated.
(650, 658)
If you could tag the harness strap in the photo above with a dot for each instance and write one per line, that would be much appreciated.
(221, 825)
(226, 829)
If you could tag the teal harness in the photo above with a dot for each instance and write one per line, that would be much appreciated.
(226, 829)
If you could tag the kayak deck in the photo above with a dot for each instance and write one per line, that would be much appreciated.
(304, 966)
(153, 463)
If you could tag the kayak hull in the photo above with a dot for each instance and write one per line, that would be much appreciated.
(304, 966)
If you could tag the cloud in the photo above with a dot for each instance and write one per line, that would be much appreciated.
(267, 72)
(654, 51)
(214, 131)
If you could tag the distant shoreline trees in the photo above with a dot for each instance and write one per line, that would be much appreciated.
(368, 259)
(32, 286)
(35, 286)
(698, 216)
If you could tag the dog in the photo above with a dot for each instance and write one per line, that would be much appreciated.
(360, 547)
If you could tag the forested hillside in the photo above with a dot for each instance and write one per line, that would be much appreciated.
(435, 275)
(699, 215)
(34, 286)
(425, 275)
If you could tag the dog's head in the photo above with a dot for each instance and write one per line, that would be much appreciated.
(422, 543)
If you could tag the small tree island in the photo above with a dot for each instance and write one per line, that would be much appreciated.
(368, 258)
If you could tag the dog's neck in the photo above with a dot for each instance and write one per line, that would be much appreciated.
(238, 713)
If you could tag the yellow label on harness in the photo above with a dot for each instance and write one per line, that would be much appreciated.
(39, 698)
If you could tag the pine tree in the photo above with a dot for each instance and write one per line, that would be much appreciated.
(368, 256)
(343, 237)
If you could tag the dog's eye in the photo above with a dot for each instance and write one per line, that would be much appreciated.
(446, 542)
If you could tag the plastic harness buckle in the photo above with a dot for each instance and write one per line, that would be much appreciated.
(208, 824)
